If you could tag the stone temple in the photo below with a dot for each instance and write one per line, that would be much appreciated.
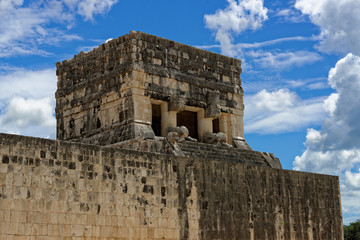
(150, 145)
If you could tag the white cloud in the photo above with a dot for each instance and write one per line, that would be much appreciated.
(282, 60)
(317, 85)
(353, 179)
(338, 21)
(284, 12)
(335, 148)
(27, 102)
(272, 42)
(26, 26)
(280, 111)
(261, 44)
(23, 28)
(33, 117)
(330, 104)
(267, 82)
(307, 84)
(242, 15)
(88, 8)
(274, 101)
(237, 17)
(289, 15)
(27, 83)
(8, 4)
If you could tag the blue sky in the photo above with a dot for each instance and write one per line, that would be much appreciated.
(300, 58)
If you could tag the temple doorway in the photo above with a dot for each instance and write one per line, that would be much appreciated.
(189, 120)
(216, 125)
(156, 119)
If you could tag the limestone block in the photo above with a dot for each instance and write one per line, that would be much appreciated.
(213, 102)
(176, 103)
(240, 143)
(204, 124)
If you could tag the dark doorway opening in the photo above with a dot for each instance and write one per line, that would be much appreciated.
(216, 125)
(189, 120)
(156, 119)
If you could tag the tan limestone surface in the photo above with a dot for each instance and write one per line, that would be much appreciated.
(53, 189)
(105, 96)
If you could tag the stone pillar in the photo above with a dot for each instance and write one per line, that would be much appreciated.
(204, 124)
(237, 127)
(142, 107)
(225, 126)
(168, 118)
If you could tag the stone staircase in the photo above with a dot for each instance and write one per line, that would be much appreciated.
(225, 153)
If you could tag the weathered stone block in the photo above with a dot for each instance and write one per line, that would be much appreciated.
(102, 92)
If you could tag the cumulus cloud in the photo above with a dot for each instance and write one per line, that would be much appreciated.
(335, 148)
(237, 17)
(353, 179)
(33, 117)
(243, 15)
(330, 104)
(27, 102)
(338, 21)
(27, 83)
(26, 26)
(280, 111)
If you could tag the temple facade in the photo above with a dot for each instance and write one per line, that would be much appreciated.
(139, 85)
(150, 145)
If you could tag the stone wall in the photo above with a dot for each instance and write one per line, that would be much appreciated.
(54, 189)
(105, 96)
(61, 190)
(93, 97)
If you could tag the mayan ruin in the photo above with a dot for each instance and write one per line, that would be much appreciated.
(150, 145)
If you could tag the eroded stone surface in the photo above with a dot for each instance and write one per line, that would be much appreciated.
(63, 190)
(105, 95)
